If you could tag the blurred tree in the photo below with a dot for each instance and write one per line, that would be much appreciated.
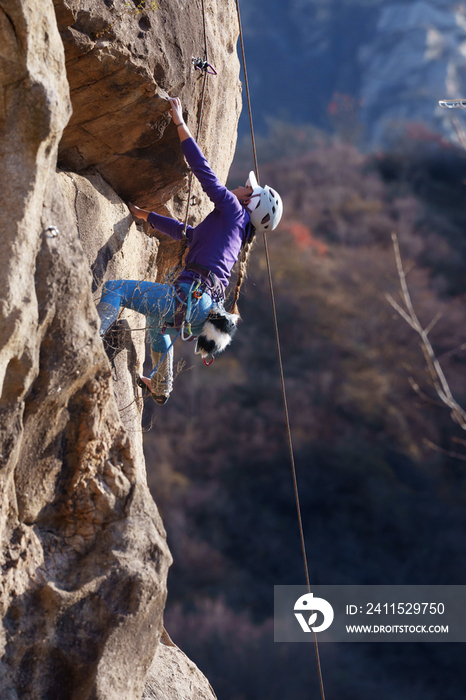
(379, 506)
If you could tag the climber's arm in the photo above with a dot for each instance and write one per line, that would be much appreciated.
(168, 226)
(217, 193)
(164, 224)
(177, 116)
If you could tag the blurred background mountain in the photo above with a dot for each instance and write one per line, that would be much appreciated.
(344, 98)
(381, 62)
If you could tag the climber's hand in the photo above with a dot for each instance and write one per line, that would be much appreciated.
(138, 213)
(176, 110)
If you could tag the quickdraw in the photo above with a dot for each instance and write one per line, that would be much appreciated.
(193, 290)
(182, 318)
(203, 66)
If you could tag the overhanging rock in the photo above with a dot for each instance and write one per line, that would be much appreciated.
(123, 60)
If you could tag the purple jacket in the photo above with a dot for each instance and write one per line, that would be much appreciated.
(216, 242)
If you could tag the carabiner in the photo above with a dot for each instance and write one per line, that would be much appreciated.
(207, 364)
(190, 334)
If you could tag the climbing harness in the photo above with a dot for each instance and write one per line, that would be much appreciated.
(280, 363)
(453, 104)
(208, 281)
(183, 311)
(219, 327)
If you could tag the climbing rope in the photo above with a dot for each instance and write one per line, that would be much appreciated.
(248, 95)
(279, 354)
(204, 66)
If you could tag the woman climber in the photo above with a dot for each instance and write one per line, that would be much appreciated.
(193, 305)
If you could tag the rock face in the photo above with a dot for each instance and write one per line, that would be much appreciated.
(83, 553)
(123, 60)
(172, 675)
(115, 248)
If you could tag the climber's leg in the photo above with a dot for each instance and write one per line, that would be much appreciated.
(158, 303)
(158, 300)
(160, 384)
(143, 297)
(162, 380)
(151, 299)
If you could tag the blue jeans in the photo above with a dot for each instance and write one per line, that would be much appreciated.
(158, 303)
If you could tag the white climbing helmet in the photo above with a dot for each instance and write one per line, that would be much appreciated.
(265, 207)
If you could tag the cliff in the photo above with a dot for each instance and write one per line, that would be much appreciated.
(84, 552)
